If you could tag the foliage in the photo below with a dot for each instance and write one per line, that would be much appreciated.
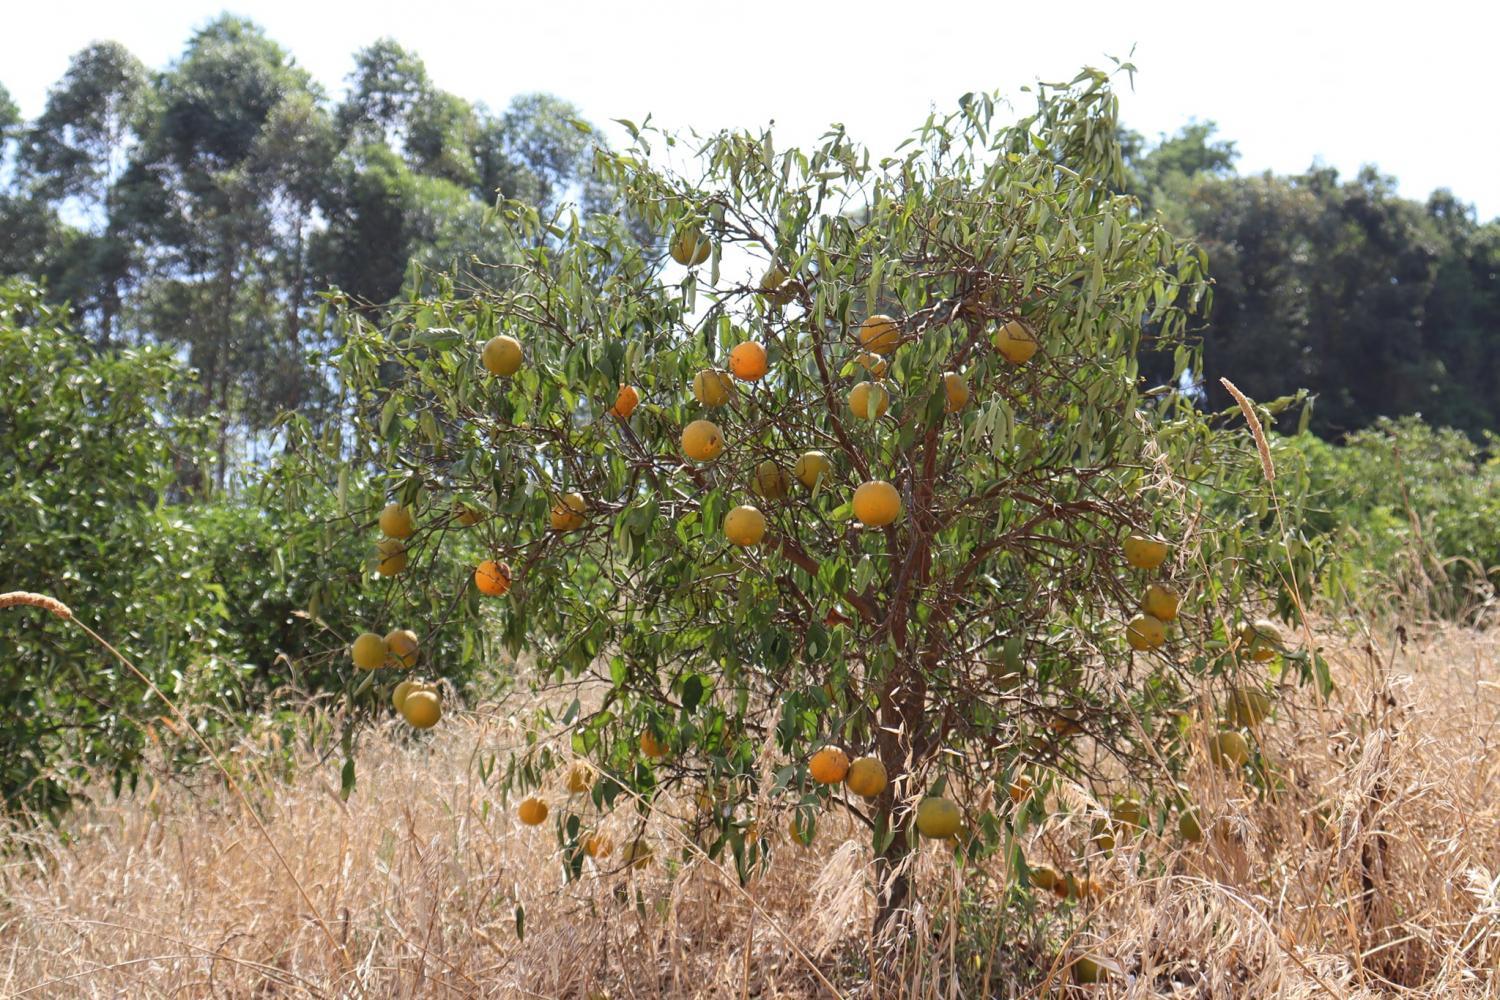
(1414, 513)
(984, 629)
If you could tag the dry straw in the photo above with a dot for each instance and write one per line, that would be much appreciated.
(1255, 429)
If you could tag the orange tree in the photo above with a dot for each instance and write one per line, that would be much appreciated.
(846, 456)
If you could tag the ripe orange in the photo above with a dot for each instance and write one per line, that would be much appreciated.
(879, 334)
(938, 817)
(873, 364)
(1015, 342)
(502, 356)
(398, 696)
(713, 387)
(567, 513)
(702, 441)
(392, 553)
(1144, 552)
(532, 811)
(492, 578)
(580, 777)
(422, 709)
(811, 466)
(866, 777)
(869, 400)
(396, 521)
(651, 746)
(402, 645)
(771, 480)
(626, 400)
(1161, 602)
(828, 766)
(745, 526)
(598, 845)
(368, 651)
(690, 247)
(1261, 639)
(876, 503)
(1145, 632)
(748, 361)
(955, 392)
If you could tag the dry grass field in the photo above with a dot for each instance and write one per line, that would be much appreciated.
(1375, 872)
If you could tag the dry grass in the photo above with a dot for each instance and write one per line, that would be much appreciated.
(1393, 890)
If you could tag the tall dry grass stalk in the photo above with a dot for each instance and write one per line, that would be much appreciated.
(1371, 869)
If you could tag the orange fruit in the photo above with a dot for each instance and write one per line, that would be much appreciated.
(1019, 789)
(812, 466)
(876, 503)
(1143, 551)
(398, 696)
(626, 400)
(1229, 749)
(879, 334)
(1161, 602)
(828, 766)
(1261, 639)
(866, 777)
(1015, 342)
(744, 526)
(713, 387)
(402, 646)
(532, 811)
(702, 441)
(492, 578)
(955, 392)
(771, 480)
(502, 356)
(567, 513)
(690, 247)
(392, 553)
(580, 777)
(938, 817)
(748, 361)
(467, 514)
(396, 521)
(872, 363)
(422, 709)
(637, 854)
(1145, 632)
(651, 746)
(598, 845)
(869, 400)
(368, 651)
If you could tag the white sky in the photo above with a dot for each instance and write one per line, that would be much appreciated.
(1406, 88)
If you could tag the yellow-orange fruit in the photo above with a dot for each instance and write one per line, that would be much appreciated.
(866, 777)
(1261, 639)
(771, 480)
(626, 400)
(873, 364)
(744, 526)
(712, 387)
(396, 521)
(869, 400)
(812, 465)
(955, 392)
(1015, 342)
(402, 646)
(532, 811)
(1161, 602)
(468, 515)
(702, 441)
(567, 513)
(638, 854)
(492, 578)
(502, 356)
(876, 503)
(392, 552)
(580, 777)
(828, 766)
(1248, 707)
(1229, 749)
(748, 361)
(598, 845)
(651, 746)
(368, 651)
(1145, 632)
(398, 696)
(938, 817)
(879, 334)
(690, 247)
(422, 709)
(1143, 551)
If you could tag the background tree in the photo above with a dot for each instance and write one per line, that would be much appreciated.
(972, 629)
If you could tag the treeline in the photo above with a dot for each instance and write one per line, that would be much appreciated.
(206, 206)
(1379, 305)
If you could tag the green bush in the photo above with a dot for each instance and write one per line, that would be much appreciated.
(1413, 510)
